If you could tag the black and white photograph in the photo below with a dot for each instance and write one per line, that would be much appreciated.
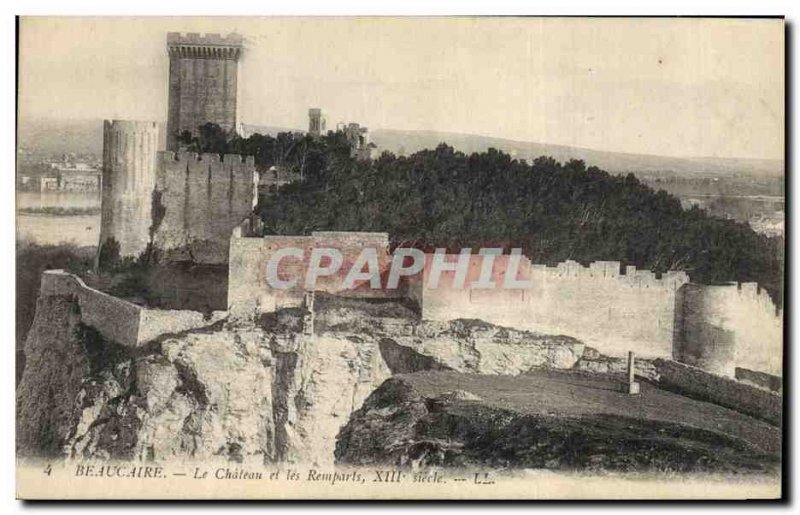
(400, 257)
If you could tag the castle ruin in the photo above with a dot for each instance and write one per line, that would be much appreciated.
(199, 208)
(182, 204)
(203, 82)
(129, 176)
(357, 136)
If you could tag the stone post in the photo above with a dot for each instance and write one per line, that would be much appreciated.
(633, 386)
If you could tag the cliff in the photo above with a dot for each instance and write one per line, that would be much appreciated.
(177, 384)
(239, 392)
(262, 390)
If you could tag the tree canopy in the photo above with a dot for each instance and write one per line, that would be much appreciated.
(553, 211)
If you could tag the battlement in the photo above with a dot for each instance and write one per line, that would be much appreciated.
(363, 239)
(612, 270)
(129, 126)
(758, 296)
(202, 197)
(747, 294)
(208, 46)
(171, 159)
(211, 38)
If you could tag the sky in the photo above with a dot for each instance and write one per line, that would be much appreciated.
(675, 87)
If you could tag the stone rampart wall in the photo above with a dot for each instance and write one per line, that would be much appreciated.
(611, 311)
(700, 384)
(201, 198)
(118, 320)
(728, 326)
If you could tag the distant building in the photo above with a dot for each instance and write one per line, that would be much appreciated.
(78, 177)
(360, 146)
(48, 183)
(316, 122)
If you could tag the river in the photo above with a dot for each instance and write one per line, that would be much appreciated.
(81, 230)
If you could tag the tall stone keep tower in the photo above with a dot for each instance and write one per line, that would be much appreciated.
(203, 78)
(129, 176)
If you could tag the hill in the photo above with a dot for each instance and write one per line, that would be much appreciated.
(553, 211)
(51, 136)
(614, 162)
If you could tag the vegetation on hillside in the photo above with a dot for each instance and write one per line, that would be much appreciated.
(553, 211)
(60, 211)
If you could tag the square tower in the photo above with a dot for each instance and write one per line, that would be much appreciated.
(203, 78)
(316, 122)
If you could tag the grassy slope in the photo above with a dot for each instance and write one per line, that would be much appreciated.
(575, 394)
(561, 420)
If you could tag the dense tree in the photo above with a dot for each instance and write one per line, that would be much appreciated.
(553, 211)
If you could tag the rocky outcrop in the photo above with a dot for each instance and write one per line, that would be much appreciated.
(264, 390)
(409, 421)
(58, 355)
(478, 347)
(237, 391)
(593, 361)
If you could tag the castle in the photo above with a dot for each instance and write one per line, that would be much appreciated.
(198, 208)
(203, 82)
(182, 203)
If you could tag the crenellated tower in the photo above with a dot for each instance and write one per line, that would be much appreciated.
(129, 176)
(199, 199)
(203, 82)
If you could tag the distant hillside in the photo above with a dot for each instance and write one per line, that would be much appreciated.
(84, 136)
(552, 211)
(56, 136)
(59, 136)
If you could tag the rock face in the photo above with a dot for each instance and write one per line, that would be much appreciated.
(235, 391)
(478, 347)
(406, 422)
(593, 361)
(263, 390)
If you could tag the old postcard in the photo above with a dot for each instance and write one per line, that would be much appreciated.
(400, 258)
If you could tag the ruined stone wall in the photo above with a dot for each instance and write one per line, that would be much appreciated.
(248, 290)
(129, 175)
(115, 319)
(608, 310)
(700, 384)
(118, 320)
(203, 82)
(729, 326)
(200, 199)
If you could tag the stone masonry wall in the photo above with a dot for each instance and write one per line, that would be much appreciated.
(203, 82)
(129, 175)
(729, 326)
(201, 198)
(694, 382)
(248, 290)
(608, 310)
(118, 320)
